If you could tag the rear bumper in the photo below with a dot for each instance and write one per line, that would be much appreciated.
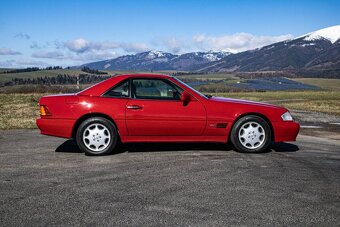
(56, 127)
(285, 131)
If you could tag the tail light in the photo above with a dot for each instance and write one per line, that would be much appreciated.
(44, 111)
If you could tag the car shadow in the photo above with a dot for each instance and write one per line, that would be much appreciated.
(284, 147)
(159, 147)
(70, 146)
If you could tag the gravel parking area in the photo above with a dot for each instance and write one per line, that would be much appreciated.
(47, 181)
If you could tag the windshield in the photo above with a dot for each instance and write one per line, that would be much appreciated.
(202, 95)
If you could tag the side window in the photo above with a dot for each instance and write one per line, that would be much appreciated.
(121, 90)
(154, 89)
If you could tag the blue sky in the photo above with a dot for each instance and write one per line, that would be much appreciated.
(66, 32)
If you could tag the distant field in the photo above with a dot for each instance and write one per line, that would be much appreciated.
(326, 84)
(318, 101)
(21, 110)
(210, 76)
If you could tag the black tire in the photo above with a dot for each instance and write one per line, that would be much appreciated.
(252, 139)
(106, 129)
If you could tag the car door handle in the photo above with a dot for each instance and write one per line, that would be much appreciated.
(134, 107)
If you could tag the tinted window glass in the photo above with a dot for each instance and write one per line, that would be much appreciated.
(121, 90)
(154, 89)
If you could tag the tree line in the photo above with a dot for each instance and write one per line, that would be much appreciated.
(31, 69)
(58, 80)
(92, 71)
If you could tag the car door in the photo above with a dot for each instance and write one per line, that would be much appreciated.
(155, 109)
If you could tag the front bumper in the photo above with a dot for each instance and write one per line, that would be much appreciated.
(56, 127)
(285, 131)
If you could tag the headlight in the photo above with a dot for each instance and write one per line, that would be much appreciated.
(287, 116)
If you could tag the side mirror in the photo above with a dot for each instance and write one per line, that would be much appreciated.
(185, 98)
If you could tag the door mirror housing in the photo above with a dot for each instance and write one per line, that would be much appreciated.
(185, 98)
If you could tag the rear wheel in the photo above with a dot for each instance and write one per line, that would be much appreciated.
(251, 134)
(97, 136)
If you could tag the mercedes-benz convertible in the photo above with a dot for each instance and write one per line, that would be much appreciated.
(160, 108)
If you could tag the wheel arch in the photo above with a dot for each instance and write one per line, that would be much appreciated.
(259, 115)
(89, 115)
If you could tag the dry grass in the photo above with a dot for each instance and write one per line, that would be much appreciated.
(21, 110)
(18, 110)
(326, 84)
(318, 101)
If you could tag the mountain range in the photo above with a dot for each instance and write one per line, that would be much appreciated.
(314, 52)
(158, 60)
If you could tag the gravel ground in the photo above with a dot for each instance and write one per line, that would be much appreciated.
(47, 181)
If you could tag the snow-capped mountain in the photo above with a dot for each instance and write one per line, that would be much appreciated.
(331, 33)
(158, 60)
(150, 60)
(317, 53)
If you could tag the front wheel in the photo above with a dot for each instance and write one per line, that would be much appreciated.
(251, 134)
(97, 136)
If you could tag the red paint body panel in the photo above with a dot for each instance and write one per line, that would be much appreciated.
(200, 120)
(285, 131)
(165, 118)
(56, 127)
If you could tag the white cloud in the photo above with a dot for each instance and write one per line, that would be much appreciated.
(30, 62)
(172, 45)
(237, 42)
(51, 55)
(82, 45)
(82, 50)
(22, 63)
(175, 45)
(79, 51)
(78, 45)
(92, 56)
(8, 51)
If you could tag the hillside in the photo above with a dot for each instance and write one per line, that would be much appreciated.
(316, 53)
(158, 60)
(319, 50)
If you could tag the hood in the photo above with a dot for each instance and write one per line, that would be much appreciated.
(241, 101)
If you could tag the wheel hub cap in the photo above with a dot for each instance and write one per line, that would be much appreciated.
(251, 135)
(96, 137)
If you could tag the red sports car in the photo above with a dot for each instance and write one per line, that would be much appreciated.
(160, 108)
